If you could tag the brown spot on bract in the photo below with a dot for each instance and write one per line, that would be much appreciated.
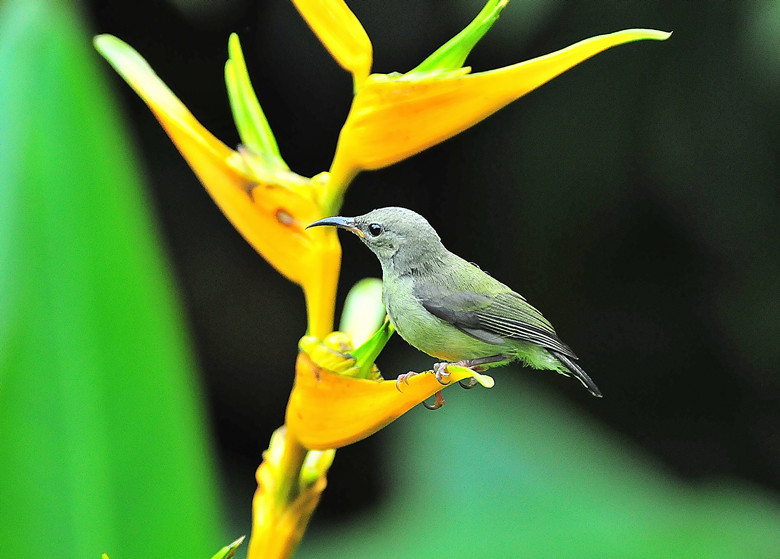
(284, 217)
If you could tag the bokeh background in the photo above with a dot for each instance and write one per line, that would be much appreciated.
(635, 200)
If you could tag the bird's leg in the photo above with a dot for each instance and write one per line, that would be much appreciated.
(476, 363)
(473, 364)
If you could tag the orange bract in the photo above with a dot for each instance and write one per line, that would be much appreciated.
(328, 410)
(270, 210)
(393, 118)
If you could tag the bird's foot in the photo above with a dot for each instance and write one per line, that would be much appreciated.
(475, 365)
(437, 404)
(441, 373)
(405, 379)
(468, 384)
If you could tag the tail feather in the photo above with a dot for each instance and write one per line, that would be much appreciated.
(578, 373)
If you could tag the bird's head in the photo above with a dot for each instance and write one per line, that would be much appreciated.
(395, 235)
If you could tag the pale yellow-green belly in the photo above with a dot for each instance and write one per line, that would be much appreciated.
(434, 336)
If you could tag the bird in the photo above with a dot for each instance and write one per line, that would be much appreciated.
(451, 309)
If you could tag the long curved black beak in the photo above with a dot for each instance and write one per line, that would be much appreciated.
(347, 223)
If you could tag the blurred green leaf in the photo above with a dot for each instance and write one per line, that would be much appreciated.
(102, 444)
(514, 473)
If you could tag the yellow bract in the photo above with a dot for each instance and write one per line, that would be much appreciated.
(342, 34)
(270, 209)
(328, 410)
(283, 503)
(393, 118)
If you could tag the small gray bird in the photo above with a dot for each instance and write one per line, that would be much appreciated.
(448, 307)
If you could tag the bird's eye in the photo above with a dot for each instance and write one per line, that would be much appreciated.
(375, 229)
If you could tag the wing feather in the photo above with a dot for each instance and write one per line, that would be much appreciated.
(492, 318)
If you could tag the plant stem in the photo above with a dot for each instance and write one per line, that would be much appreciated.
(283, 504)
(289, 470)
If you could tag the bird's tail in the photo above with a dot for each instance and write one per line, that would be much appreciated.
(578, 373)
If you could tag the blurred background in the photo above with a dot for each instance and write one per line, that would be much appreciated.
(635, 200)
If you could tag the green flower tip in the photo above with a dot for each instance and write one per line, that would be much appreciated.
(367, 353)
(452, 54)
(652, 34)
(229, 550)
(102, 43)
(250, 120)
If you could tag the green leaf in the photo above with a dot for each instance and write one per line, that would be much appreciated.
(363, 313)
(102, 437)
(452, 54)
(250, 120)
(366, 354)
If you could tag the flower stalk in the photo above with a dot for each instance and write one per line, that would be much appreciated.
(290, 481)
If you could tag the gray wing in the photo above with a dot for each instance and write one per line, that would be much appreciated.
(492, 318)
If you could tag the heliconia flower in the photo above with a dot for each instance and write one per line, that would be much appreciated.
(328, 409)
(394, 116)
(339, 396)
(265, 201)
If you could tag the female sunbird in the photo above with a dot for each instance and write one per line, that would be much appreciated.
(448, 307)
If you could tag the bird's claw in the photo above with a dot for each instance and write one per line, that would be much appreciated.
(404, 378)
(437, 404)
(467, 384)
(441, 373)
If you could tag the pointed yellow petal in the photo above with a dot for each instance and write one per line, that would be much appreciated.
(394, 118)
(169, 110)
(272, 216)
(327, 410)
(342, 34)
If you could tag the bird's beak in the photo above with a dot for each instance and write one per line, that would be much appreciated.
(347, 223)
